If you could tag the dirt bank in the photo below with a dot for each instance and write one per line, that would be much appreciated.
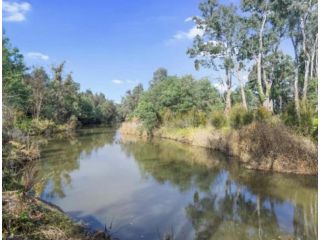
(261, 146)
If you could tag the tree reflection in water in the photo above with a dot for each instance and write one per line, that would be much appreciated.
(231, 202)
(62, 156)
(218, 198)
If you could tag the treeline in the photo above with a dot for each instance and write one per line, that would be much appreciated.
(32, 100)
(240, 41)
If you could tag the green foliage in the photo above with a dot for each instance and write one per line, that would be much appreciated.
(262, 114)
(129, 102)
(178, 102)
(39, 126)
(218, 119)
(239, 116)
(147, 113)
(14, 90)
(308, 124)
(192, 118)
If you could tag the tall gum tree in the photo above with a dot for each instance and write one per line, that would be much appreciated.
(263, 33)
(303, 32)
(217, 47)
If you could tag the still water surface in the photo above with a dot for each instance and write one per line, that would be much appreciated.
(148, 189)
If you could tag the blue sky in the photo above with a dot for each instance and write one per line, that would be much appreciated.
(109, 45)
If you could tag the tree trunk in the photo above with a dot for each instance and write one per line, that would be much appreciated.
(243, 95)
(39, 106)
(228, 94)
(296, 92)
(267, 103)
(296, 47)
(306, 61)
(306, 80)
(313, 54)
(259, 59)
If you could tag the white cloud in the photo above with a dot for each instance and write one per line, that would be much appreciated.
(192, 33)
(15, 11)
(188, 19)
(221, 87)
(37, 56)
(117, 81)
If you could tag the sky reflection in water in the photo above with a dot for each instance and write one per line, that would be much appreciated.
(150, 188)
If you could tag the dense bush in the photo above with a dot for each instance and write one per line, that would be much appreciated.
(192, 118)
(218, 119)
(308, 124)
(148, 115)
(177, 102)
(262, 114)
(239, 116)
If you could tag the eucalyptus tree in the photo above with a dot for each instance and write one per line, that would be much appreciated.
(264, 30)
(308, 24)
(218, 46)
(301, 17)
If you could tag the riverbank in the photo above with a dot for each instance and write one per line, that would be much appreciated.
(26, 217)
(259, 145)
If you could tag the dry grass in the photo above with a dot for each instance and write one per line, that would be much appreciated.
(260, 145)
(134, 127)
(30, 218)
(274, 147)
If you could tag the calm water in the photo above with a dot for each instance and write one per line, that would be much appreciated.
(148, 189)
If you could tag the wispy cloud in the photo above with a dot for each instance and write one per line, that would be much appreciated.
(117, 81)
(15, 11)
(188, 19)
(186, 35)
(37, 56)
(192, 33)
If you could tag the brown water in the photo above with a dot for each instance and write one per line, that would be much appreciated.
(149, 189)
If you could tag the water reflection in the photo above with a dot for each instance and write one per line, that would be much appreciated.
(62, 155)
(147, 188)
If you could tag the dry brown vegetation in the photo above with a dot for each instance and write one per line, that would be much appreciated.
(260, 145)
(30, 218)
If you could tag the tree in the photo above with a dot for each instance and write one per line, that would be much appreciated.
(158, 76)
(130, 101)
(15, 92)
(264, 31)
(302, 30)
(38, 81)
(218, 46)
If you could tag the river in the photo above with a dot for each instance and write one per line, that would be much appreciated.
(143, 189)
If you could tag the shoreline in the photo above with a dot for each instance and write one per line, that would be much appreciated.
(258, 146)
(43, 219)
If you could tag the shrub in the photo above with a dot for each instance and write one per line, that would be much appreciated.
(39, 126)
(72, 123)
(148, 115)
(24, 125)
(262, 114)
(192, 118)
(308, 125)
(195, 118)
(239, 116)
(218, 119)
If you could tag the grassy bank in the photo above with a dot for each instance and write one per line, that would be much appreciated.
(26, 217)
(259, 145)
